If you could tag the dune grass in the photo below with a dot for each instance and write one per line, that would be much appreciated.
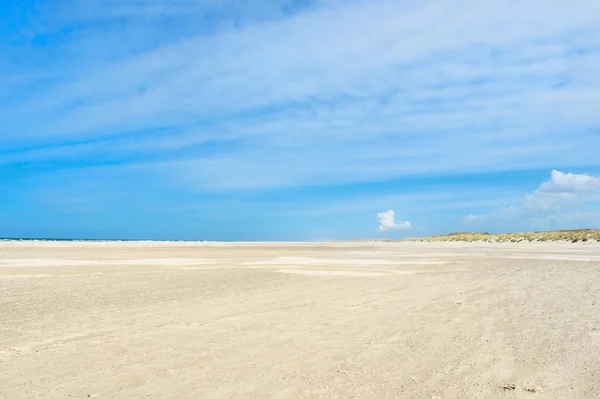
(582, 235)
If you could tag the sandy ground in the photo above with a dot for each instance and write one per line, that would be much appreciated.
(335, 320)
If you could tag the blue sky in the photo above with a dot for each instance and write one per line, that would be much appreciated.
(297, 120)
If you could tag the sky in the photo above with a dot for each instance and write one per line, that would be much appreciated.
(297, 119)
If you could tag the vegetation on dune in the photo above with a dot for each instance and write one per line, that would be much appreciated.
(582, 235)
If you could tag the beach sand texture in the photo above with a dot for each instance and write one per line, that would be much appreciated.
(330, 320)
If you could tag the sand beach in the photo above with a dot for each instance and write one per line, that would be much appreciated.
(299, 320)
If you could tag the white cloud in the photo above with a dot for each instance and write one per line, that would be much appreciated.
(567, 200)
(387, 222)
(569, 183)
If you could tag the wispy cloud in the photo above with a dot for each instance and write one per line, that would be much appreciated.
(365, 90)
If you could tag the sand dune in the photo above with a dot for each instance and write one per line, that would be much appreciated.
(299, 320)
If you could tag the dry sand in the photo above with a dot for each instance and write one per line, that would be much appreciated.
(334, 320)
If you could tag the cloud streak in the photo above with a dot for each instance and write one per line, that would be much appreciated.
(406, 83)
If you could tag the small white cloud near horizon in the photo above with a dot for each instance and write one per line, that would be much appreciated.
(557, 203)
(387, 222)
